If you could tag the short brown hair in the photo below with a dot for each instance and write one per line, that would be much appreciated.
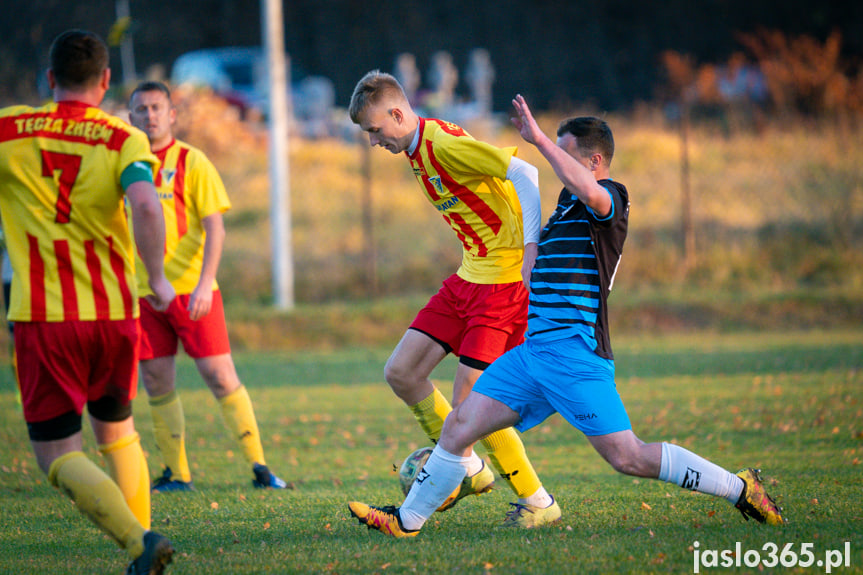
(591, 135)
(151, 86)
(374, 87)
(78, 59)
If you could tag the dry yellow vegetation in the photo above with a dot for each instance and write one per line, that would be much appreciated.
(775, 207)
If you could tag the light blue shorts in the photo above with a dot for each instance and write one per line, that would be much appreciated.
(538, 379)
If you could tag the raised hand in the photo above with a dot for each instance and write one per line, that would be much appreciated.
(525, 122)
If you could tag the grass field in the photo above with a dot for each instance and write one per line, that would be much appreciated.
(790, 403)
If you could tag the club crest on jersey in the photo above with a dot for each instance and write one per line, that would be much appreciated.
(168, 175)
(435, 181)
(453, 129)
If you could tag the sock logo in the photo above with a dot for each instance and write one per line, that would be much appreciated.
(691, 479)
(422, 476)
(508, 476)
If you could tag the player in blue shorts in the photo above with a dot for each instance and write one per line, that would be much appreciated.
(566, 364)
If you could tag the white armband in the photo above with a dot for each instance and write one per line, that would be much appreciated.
(525, 179)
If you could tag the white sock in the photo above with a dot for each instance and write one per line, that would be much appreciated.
(475, 464)
(439, 477)
(541, 499)
(690, 471)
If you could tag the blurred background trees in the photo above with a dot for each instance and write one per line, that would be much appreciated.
(737, 127)
(556, 53)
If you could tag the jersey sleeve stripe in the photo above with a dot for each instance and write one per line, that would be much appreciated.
(37, 280)
(67, 280)
(100, 294)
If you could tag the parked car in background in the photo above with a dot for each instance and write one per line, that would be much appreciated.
(239, 74)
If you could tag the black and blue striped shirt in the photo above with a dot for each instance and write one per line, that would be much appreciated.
(577, 258)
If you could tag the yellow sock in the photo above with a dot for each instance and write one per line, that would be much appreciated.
(431, 413)
(128, 468)
(507, 454)
(239, 416)
(169, 427)
(98, 498)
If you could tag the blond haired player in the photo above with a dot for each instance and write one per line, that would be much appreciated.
(566, 364)
(65, 169)
(490, 199)
(193, 199)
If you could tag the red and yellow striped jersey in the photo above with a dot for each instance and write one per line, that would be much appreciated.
(63, 214)
(465, 179)
(190, 189)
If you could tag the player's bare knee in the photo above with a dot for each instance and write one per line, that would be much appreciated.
(158, 379)
(221, 384)
(156, 387)
(454, 439)
(398, 377)
(457, 434)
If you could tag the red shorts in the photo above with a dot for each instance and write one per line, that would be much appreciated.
(477, 321)
(63, 365)
(160, 330)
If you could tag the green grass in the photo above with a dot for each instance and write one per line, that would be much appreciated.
(788, 402)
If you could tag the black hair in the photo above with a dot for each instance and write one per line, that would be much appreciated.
(592, 135)
(78, 59)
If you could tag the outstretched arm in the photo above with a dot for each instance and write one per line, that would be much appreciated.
(577, 178)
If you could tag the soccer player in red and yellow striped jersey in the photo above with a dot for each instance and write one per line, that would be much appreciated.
(65, 170)
(490, 199)
(193, 198)
(566, 364)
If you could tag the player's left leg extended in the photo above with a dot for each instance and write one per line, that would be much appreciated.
(675, 464)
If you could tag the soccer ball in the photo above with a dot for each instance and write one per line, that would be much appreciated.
(411, 467)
